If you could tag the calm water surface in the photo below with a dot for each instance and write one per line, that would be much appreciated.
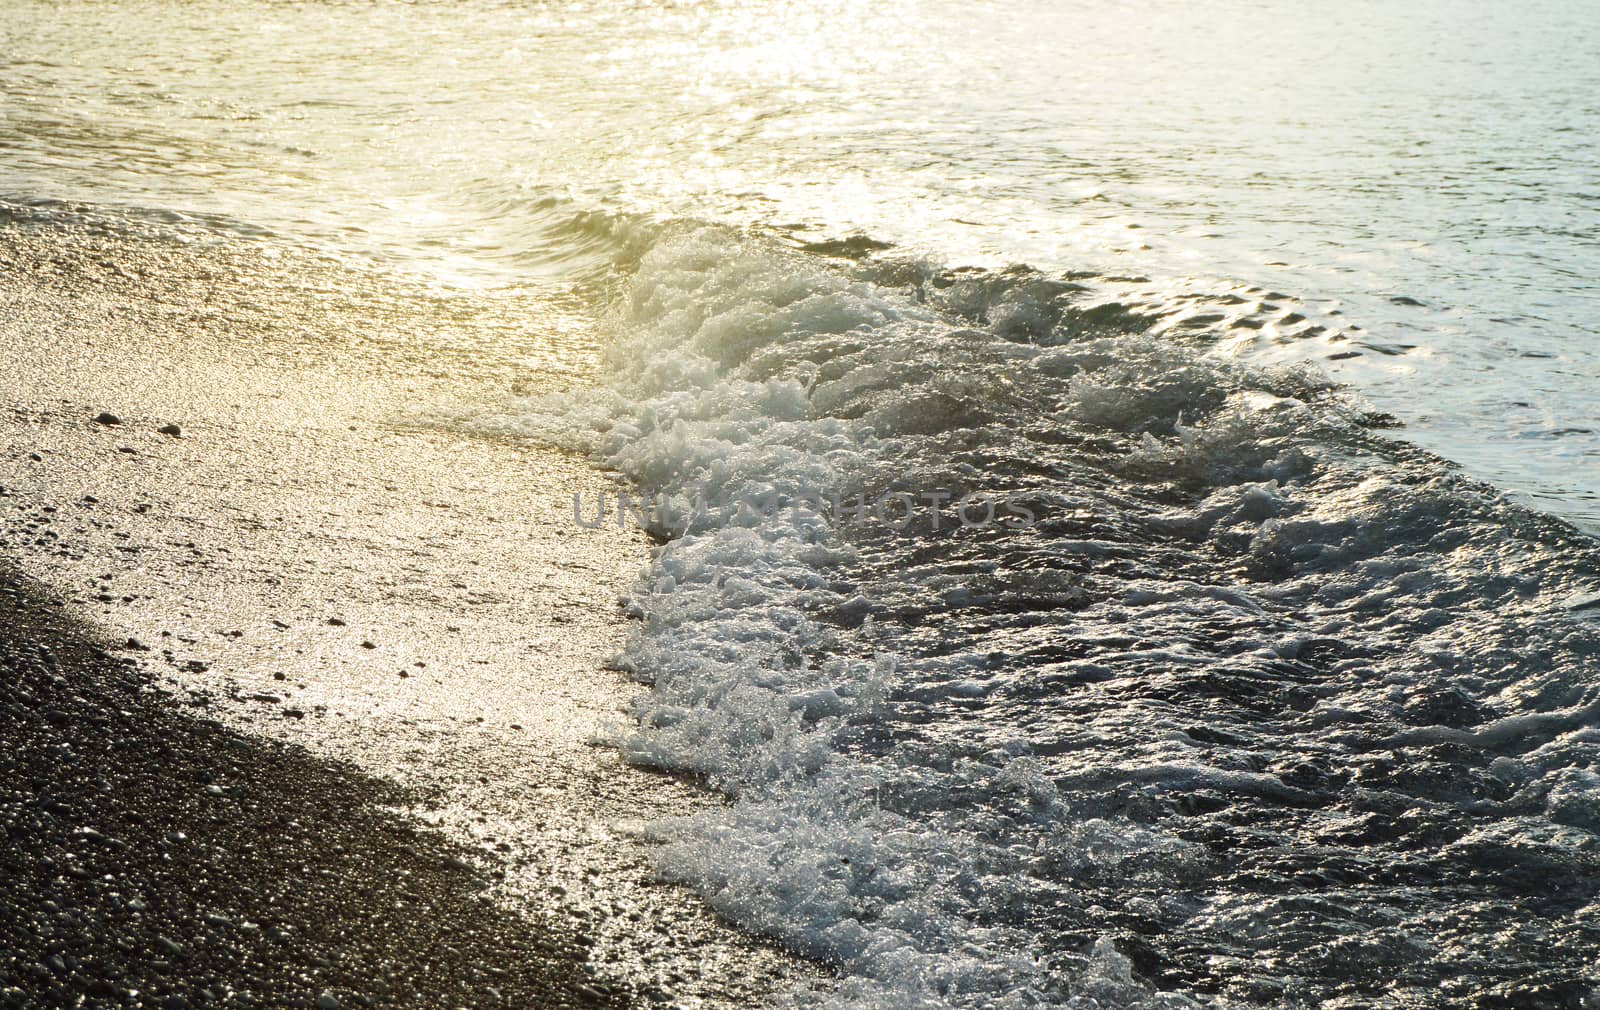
(1427, 171)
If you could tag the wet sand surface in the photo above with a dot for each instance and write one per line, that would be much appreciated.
(344, 613)
(156, 858)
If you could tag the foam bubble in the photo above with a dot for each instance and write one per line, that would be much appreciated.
(1025, 767)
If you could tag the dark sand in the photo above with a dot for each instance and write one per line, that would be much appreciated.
(155, 858)
(349, 618)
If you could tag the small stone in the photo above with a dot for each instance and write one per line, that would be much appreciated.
(368, 645)
(327, 1001)
(130, 450)
(170, 429)
(334, 622)
(107, 418)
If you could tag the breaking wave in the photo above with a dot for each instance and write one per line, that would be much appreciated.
(1265, 709)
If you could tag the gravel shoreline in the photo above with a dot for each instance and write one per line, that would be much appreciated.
(387, 631)
(155, 858)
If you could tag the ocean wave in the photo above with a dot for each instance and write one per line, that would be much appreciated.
(1265, 709)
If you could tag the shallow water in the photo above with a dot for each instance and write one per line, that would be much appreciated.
(1268, 706)
(1263, 707)
(1354, 158)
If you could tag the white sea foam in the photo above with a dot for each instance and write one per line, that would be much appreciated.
(947, 755)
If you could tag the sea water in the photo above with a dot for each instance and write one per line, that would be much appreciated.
(1278, 319)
